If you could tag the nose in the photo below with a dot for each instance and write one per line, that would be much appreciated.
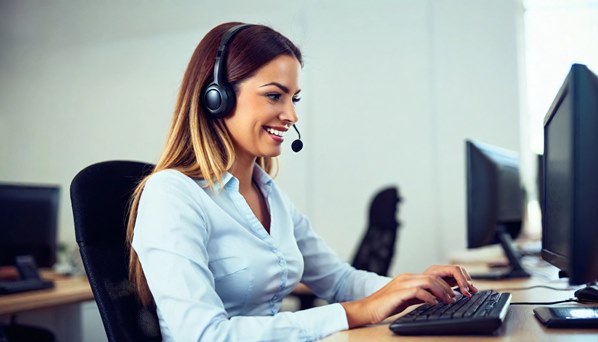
(289, 113)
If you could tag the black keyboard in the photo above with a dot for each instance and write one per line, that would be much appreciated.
(483, 313)
(17, 286)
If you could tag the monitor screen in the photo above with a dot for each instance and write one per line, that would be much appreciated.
(570, 189)
(494, 193)
(28, 221)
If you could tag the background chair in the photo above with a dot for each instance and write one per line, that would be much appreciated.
(377, 247)
(100, 196)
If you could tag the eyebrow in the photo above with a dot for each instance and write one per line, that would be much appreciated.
(283, 88)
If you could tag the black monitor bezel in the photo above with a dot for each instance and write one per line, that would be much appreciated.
(554, 258)
(482, 234)
(48, 233)
(581, 265)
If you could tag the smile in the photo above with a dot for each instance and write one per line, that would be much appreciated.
(275, 132)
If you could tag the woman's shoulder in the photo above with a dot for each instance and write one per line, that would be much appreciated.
(170, 180)
(169, 177)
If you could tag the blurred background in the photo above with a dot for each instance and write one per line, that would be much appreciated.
(391, 90)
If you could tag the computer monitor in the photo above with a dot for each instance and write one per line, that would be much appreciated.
(494, 203)
(540, 179)
(570, 166)
(28, 221)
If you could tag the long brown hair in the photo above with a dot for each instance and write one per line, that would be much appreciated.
(197, 145)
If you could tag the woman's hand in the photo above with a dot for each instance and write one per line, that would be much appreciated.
(432, 286)
(454, 276)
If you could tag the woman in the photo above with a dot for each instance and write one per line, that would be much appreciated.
(216, 245)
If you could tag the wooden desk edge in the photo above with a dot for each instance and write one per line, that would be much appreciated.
(66, 290)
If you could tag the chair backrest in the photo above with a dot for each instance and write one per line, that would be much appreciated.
(100, 196)
(377, 247)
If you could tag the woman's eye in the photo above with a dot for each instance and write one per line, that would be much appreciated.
(274, 97)
(296, 99)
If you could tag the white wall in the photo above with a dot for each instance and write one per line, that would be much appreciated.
(391, 90)
(476, 91)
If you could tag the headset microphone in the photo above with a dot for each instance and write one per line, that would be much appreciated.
(297, 145)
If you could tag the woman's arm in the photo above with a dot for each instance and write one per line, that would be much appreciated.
(432, 286)
(366, 297)
(325, 274)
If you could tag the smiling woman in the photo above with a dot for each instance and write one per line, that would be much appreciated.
(215, 244)
(258, 128)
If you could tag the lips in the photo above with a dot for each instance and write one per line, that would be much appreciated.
(276, 132)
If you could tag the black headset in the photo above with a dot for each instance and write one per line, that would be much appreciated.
(219, 97)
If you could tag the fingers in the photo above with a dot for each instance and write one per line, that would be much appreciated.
(441, 289)
(461, 277)
(470, 281)
(456, 275)
(433, 284)
(412, 296)
(424, 296)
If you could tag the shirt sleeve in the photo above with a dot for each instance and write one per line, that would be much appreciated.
(170, 240)
(327, 276)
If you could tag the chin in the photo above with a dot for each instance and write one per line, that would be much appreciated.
(271, 153)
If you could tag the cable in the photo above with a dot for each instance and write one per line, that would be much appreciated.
(546, 303)
(538, 286)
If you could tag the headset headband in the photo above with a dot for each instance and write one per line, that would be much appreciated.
(222, 50)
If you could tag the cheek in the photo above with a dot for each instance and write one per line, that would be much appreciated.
(242, 127)
(248, 118)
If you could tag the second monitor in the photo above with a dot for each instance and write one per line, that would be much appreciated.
(494, 204)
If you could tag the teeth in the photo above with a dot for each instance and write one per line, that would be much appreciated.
(274, 131)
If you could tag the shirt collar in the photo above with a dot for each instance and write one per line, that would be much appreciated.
(261, 177)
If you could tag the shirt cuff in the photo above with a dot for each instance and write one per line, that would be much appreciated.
(379, 283)
(324, 320)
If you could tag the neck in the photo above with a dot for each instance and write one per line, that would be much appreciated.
(243, 170)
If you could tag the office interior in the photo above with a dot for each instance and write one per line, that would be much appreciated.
(390, 92)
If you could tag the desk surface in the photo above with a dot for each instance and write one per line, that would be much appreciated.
(66, 290)
(520, 323)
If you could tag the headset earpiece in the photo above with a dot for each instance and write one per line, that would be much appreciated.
(219, 98)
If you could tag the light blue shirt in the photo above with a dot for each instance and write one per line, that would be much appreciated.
(217, 275)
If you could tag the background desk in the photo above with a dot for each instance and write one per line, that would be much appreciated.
(67, 290)
(68, 309)
(520, 323)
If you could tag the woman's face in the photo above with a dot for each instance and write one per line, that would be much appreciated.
(265, 108)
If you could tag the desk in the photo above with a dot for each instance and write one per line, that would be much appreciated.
(520, 323)
(62, 309)
(67, 290)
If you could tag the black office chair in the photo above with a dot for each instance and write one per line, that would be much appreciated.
(377, 247)
(100, 196)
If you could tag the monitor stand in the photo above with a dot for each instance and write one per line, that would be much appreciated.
(515, 270)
